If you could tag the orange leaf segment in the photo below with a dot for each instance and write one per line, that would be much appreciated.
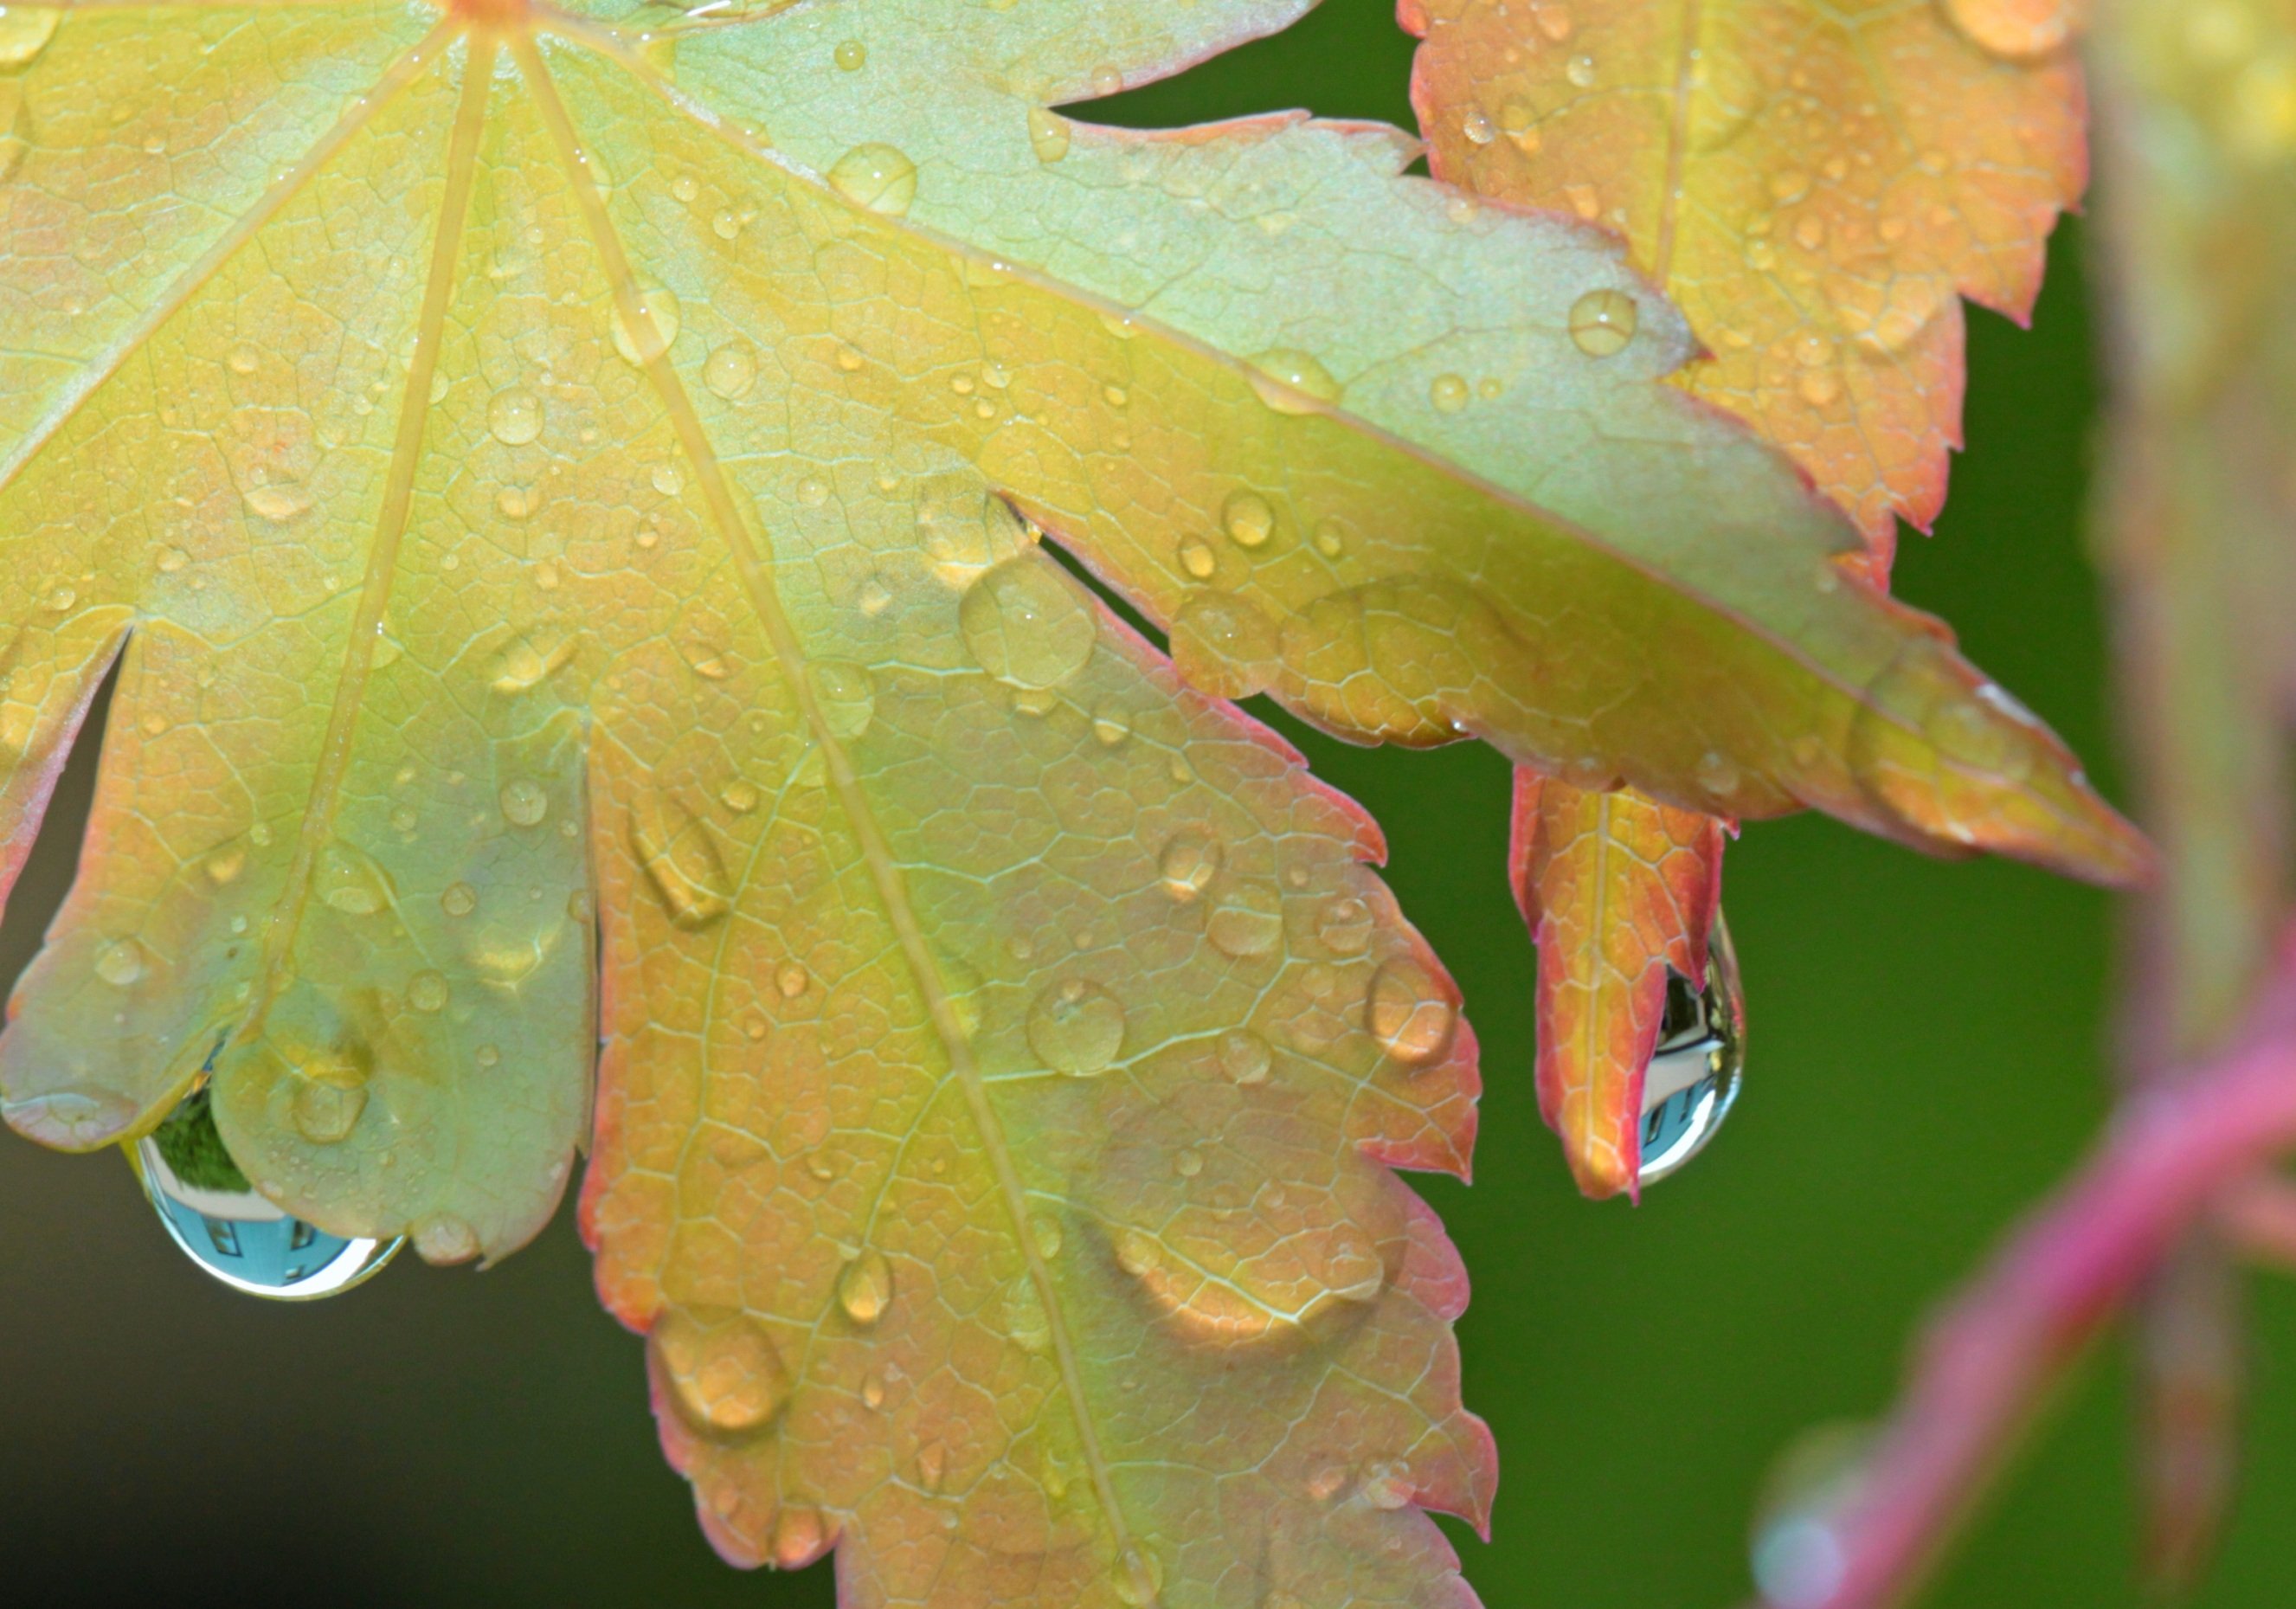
(1813, 183)
(1618, 889)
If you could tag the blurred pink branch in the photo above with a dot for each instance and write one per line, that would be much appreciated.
(1991, 1355)
(2257, 1216)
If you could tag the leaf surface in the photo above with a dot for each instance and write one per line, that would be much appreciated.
(569, 490)
(1815, 184)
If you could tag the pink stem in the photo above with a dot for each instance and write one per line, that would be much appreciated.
(2060, 1278)
(2258, 1216)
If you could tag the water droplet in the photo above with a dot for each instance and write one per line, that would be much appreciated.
(326, 1108)
(1344, 925)
(845, 696)
(876, 176)
(1450, 393)
(2018, 29)
(460, 899)
(1387, 1486)
(654, 329)
(864, 1287)
(852, 55)
(1248, 517)
(1409, 1012)
(1477, 126)
(738, 796)
(1603, 323)
(1696, 1068)
(1110, 726)
(226, 864)
(1247, 921)
(524, 804)
(1025, 625)
(346, 879)
(723, 1372)
(1197, 558)
(1293, 381)
(169, 560)
(1024, 1317)
(792, 980)
(731, 370)
(1139, 1577)
(1107, 79)
(1077, 1028)
(427, 992)
(1044, 1231)
(1243, 1056)
(1188, 864)
(25, 31)
(524, 662)
(1581, 72)
(514, 416)
(680, 857)
(873, 1390)
(933, 1464)
(1048, 134)
(443, 1240)
(219, 1220)
(122, 963)
(1225, 645)
(278, 503)
(517, 502)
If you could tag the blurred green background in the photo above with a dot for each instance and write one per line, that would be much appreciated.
(1926, 1060)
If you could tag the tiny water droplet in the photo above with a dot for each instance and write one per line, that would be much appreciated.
(1138, 1253)
(666, 480)
(427, 992)
(846, 696)
(1695, 1070)
(1344, 925)
(792, 980)
(1293, 381)
(235, 1235)
(1139, 1578)
(680, 856)
(460, 899)
(1189, 863)
(1387, 1486)
(876, 176)
(1225, 645)
(653, 331)
(1110, 726)
(122, 963)
(346, 879)
(1248, 517)
(1581, 72)
(731, 370)
(1603, 323)
(873, 1390)
(1044, 1231)
(524, 804)
(1450, 393)
(1197, 558)
(864, 1287)
(1243, 1056)
(514, 416)
(1024, 1317)
(738, 796)
(327, 1109)
(1025, 625)
(1408, 1014)
(1048, 134)
(1075, 1028)
(277, 503)
(1107, 79)
(1247, 921)
(851, 55)
(1477, 126)
(169, 560)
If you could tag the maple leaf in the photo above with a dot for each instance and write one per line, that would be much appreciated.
(568, 479)
(1814, 186)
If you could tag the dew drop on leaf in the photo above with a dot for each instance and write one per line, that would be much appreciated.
(277, 503)
(460, 899)
(514, 416)
(1048, 134)
(346, 879)
(846, 696)
(1245, 920)
(1139, 1578)
(876, 176)
(851, 55)
(426, 990)
(1292, 382)
(1243, 1056)
(1344, 925)
(1603, 323)
(230, 1230)
(1044, 1231)
(326, 1109)
(1386, 1486)
(1189, 861)
(524, 804)
(1699, 1062)
(1024, 626)
(25, 31)
(1223, 644)
(652, 332)
(1248, 519)
(724, 1375)
(731, 370)
(1408, 1014)
(864, 1287)
(121, 963)
(443, 1239)
(681, 859)
(1077, 1028)
(1107, 79)
(1450, 393)
(1197, 558)
(1024, 1317)
(2017, 29)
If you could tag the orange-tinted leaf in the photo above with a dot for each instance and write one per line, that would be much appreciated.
(1617, 889)
(1815, 184)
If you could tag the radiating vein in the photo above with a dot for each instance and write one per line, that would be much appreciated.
(390, 525)
(884, 869)
(361, 112)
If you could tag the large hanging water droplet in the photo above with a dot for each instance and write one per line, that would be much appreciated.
(876, 176)
(1694, 1073)
(1025, 625)
(233, 1233)
(723, 1370)
(864, 1288)
(1077, 1028)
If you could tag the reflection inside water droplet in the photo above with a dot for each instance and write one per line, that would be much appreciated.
(233, 1233)
(1694, 1073)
